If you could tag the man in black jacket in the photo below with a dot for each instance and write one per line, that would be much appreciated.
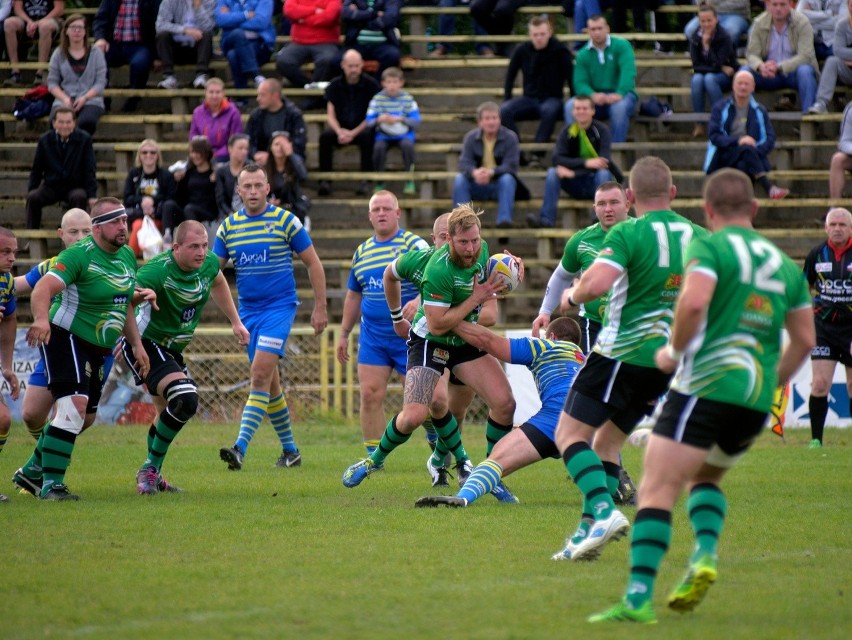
(272, 114)
(63, 168)
(547, 68)
(581, 162)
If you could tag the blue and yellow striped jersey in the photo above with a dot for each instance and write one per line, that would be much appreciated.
(262, 248)
(7, 294)
(553, 364)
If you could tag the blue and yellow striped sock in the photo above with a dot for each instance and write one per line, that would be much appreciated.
(371, 445)
(36, 431)
(587, 470)
(482, 480)
(390, 441)
(3, 438)
(279, 416)
(253, 414)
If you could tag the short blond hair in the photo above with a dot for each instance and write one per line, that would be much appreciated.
(462, 218)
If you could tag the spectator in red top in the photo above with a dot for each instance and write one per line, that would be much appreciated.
(314, 35)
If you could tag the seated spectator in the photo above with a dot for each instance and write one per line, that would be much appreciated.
(248, 37)
(286, 173)
(196, 187)
(185, 35)
(581, 162)
(713, 63)
(63, 168)
(216, 118)
(841, 161)
(228, 198)
(314, 35)
(734, 17)
(488, 165)
(838, 67)
(780, 52)
(393, 115)
(5, 12)
(124, 30)
(149, 185)
(31, 20)
(347, 100)
(824, 16)
(605, 69)
(447, 27)
(371, 28)
(546, 65)
(77, 75)
(274, 113)
(741, 136)
(497, 17)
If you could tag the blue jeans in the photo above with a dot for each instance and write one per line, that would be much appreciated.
(619, 115)
(733, 23)
(582, 188)
(502, 190)
(244, 55)
(137, 56)
(447, 27)
(713, 85)
(803, 80)
(526, 108)
(583, 9)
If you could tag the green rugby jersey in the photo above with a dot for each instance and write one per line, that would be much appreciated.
(98, 288)
(650, 255)
(447, 285)
(181, 296)
(734, 356)
(411, 266)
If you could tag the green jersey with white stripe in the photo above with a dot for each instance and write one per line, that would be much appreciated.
(98, 288)
(650, 256)
(734, 356)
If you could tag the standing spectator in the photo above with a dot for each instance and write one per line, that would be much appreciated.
(827, 270)
(780, 52)
(742, 135)
(581, 162)
(488, 165)
(217, 119)
(77, 74)
(841, 161)
(227, 195)
(393, 114)
(713, 62)
(8, 252)
(371, 27)
(63, 168)
(185, 35)
(263, 240)
(734, 17)
(287, 173)
(605, 69)
(546, 65)
(347, 100)
(314, 35)
(31, 19)
(497, 17)
(824, 16)
(125, 31)
(274, 113)
(196, 188)
(248, 37)
(447, 27)
(5, 12)
(838, 67)
(149, 185)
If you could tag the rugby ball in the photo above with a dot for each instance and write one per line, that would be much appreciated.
(639, 437)
(508, 271)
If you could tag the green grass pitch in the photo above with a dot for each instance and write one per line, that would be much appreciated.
(291, 553)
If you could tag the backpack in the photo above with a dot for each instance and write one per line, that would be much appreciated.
(34, 104)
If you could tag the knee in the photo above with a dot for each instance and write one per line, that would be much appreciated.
(182, 398)
(46, 30)
(460, 184)
(372, 396)
(839, 161)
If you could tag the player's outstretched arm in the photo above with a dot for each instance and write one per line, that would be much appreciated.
(689, 314)
(351, 313)
(43, 293)
(592, 284)
(8, 331)
(800, 327)
(442, 320)
(316, 274)
(484, 339)
(221, 294)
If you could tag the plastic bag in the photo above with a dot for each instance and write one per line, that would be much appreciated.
(150, 239)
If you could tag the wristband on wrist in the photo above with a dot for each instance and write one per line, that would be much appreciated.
(673, 353)
(396, 315)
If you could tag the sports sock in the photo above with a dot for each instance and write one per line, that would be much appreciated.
(818, 409)
(32, 468)
(56, 455)
(3, 439)
(166, 429)
(152, 433)
(36, 432)
(390, 441)
(612, 471)
(586, 522)
(431, 434)
(449, 433)
(587, 471)
(763, 181)
(482, 480)
(652, 533)
(370, 445)
(253, 413)
(706, 507)
(279, 416)
(494, 431)
(440, 453)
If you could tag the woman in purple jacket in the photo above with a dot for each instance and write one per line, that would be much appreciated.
(217, 119)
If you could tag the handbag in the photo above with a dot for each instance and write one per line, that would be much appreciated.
(150, 239)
